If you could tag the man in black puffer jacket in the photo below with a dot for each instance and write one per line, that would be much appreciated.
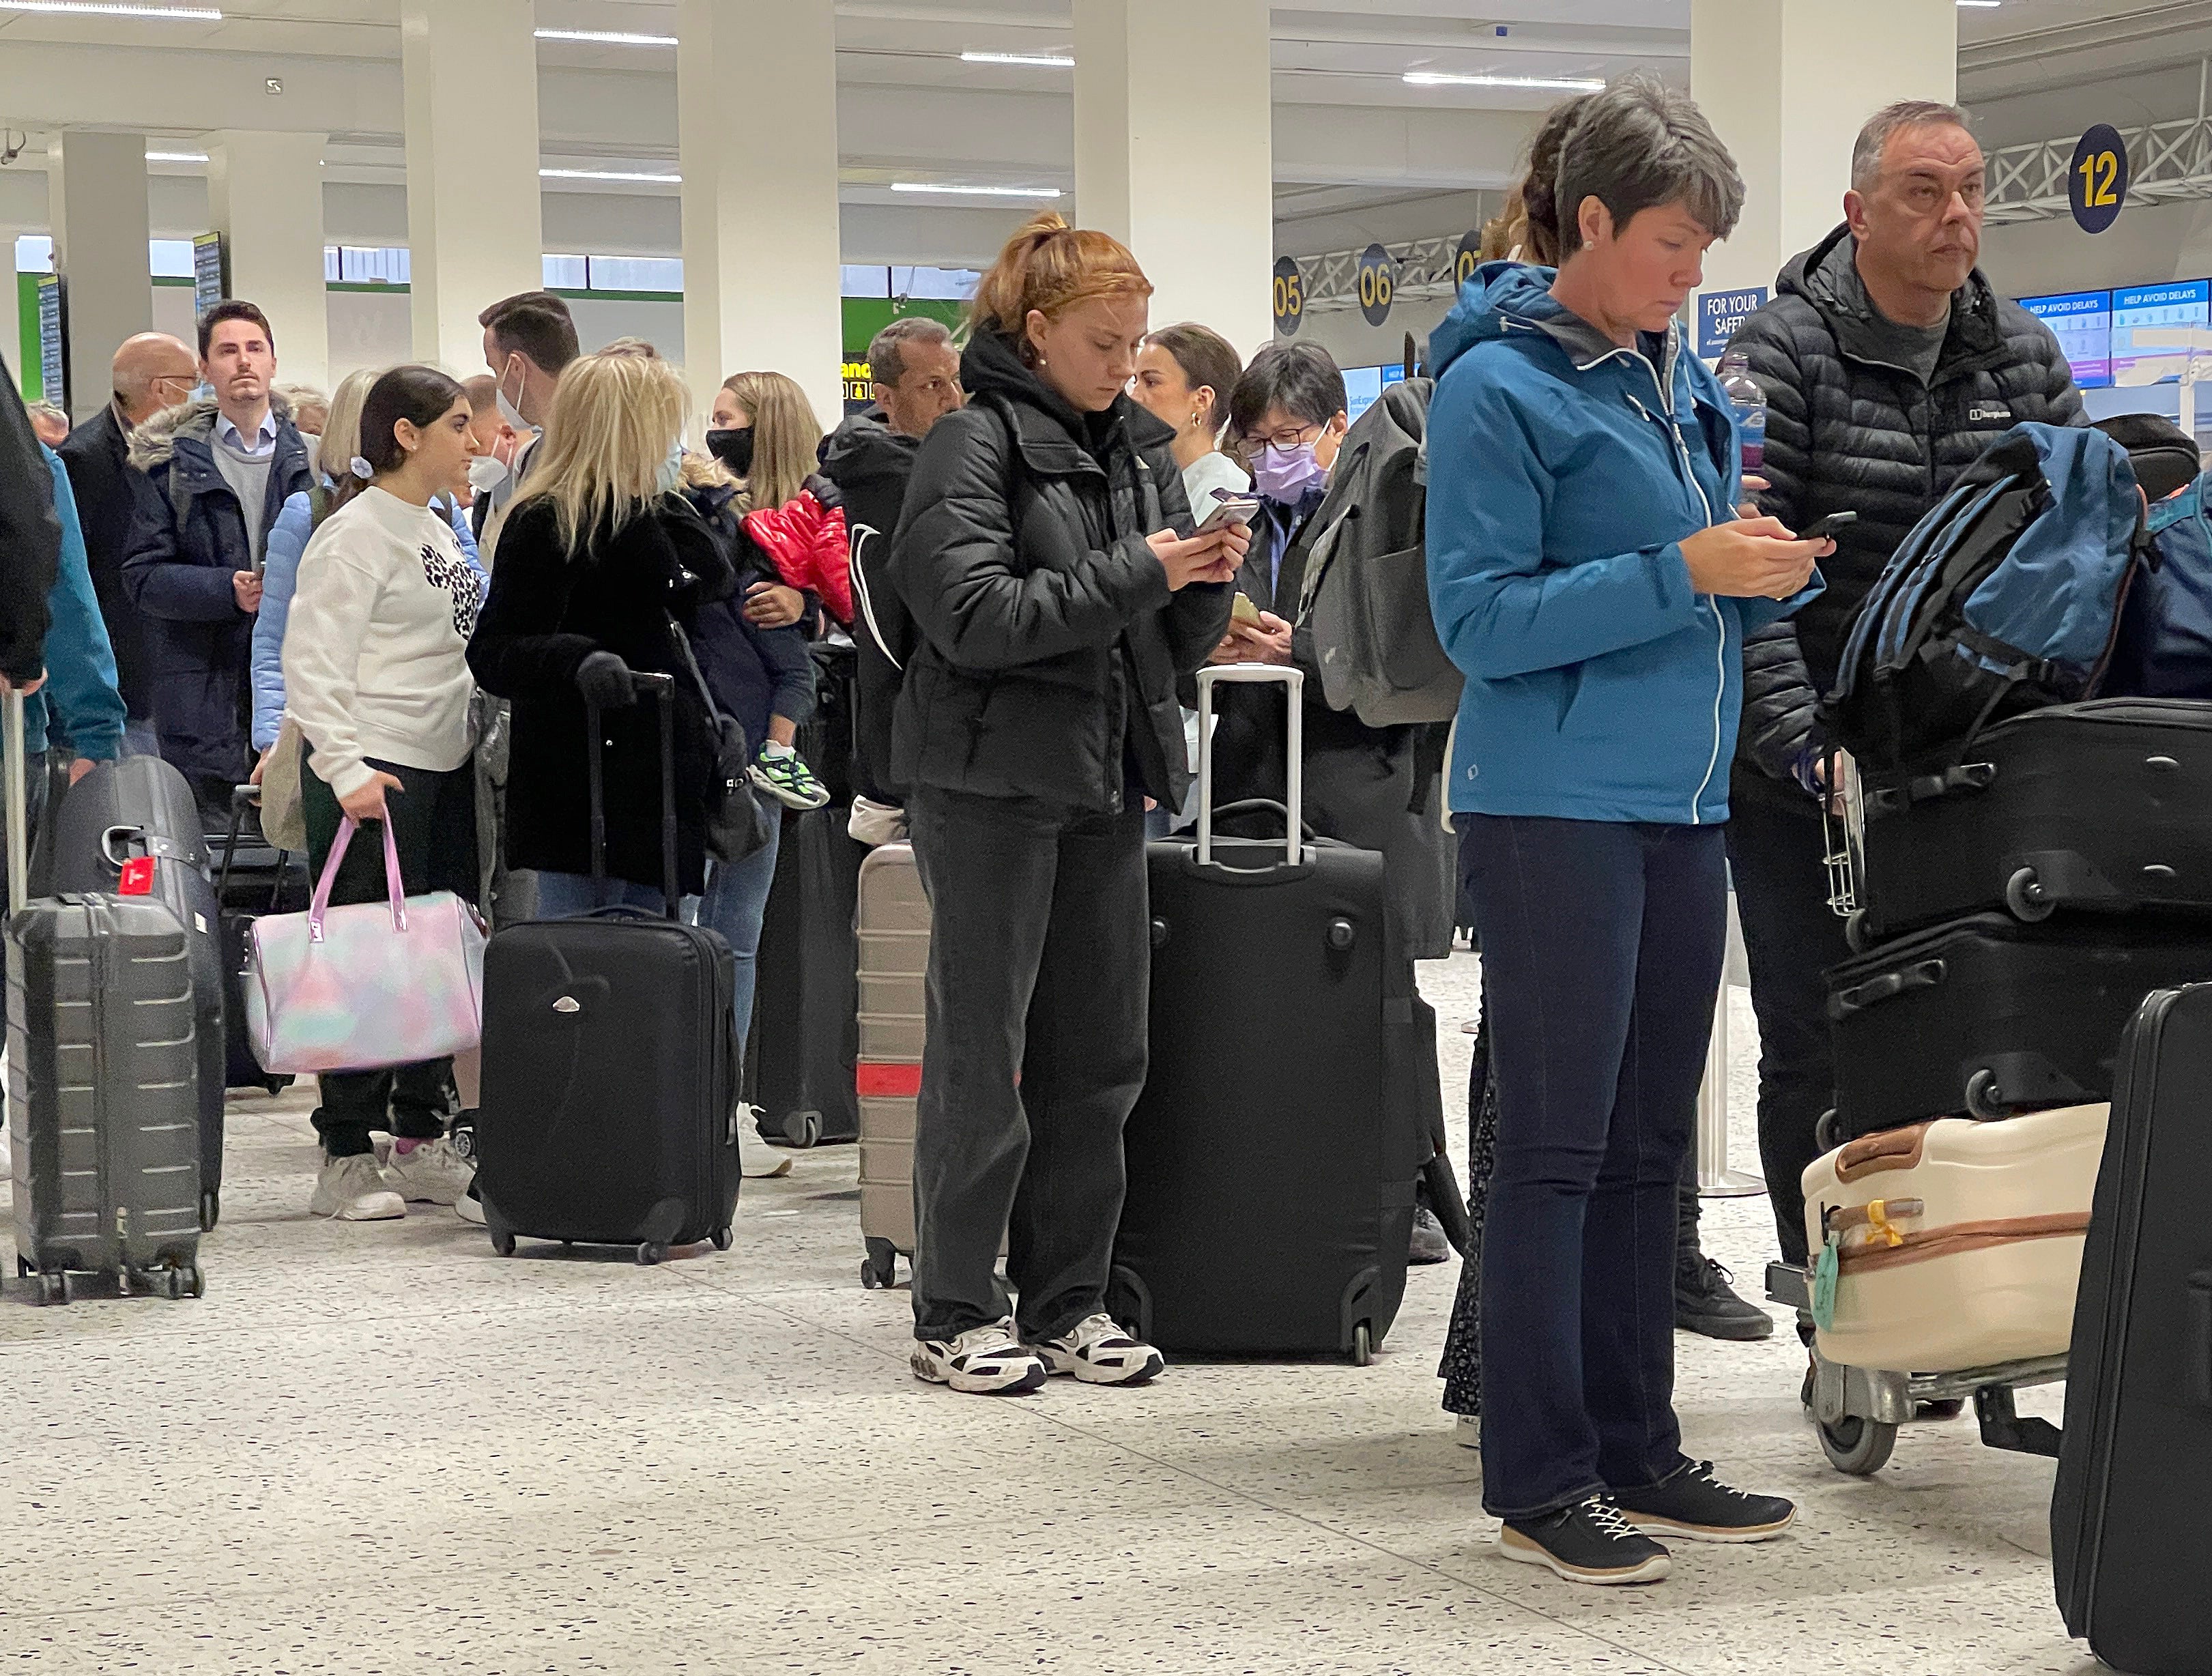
(1889, 365)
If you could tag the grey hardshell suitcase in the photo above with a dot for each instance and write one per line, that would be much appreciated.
(103, 1081)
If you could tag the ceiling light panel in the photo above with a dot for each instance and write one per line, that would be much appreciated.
(115, 8)
(609, 174)
(976, 191)
(605, 37)
(1033, 60)
(1436, 78)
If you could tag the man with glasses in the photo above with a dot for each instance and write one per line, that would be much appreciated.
(151, 372)
(1889, 364)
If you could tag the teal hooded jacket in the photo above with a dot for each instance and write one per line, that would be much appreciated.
(1564, 472)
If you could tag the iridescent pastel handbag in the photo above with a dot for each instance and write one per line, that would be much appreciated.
(360, 987)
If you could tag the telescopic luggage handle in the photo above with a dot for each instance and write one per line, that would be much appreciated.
(663, 689)
(18, 804)
(1294, 762)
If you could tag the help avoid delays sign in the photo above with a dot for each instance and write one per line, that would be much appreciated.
(1720, 314)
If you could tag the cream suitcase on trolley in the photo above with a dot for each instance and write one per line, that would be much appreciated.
(893, 925)
(1958, 1244)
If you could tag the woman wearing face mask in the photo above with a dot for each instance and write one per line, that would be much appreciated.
(600, 561)
(1185, 376)
(376, 675)
(301, 517)
(1057, 597)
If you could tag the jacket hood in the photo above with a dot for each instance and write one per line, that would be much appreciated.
(154, 440)
(992, 366)
(1497, 293)
(1828, 276)
(864, 447)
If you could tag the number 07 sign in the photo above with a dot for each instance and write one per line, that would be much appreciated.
(2097, 186)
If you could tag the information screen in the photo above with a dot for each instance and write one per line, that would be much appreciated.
(2153, 329)
(1362, 388)
(2082, 321)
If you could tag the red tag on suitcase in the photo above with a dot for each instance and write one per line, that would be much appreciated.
(137, 877)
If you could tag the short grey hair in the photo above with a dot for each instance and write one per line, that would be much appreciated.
(887, 349)
(1885, 124)
(1638, 145)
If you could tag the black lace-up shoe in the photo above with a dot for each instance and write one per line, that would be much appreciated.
(1698, 1507)
(1704, 1302)
(1587, 1542)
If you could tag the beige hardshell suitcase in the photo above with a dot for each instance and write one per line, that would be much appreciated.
(893, 924)
(1960, 1243)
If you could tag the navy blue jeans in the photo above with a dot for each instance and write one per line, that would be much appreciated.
(1602, 950)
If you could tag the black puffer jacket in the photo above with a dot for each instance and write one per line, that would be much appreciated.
(1048, 642)
(1847, 431)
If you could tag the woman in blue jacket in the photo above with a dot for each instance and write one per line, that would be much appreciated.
(1589, 573)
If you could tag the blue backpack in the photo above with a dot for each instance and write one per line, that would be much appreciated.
(2165, 633)
(2007, 597)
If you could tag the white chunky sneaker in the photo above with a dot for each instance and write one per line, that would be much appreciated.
(988, 1360)
(1098, 1353)
(353, 1190)
(432, 1174)
(756, 1160)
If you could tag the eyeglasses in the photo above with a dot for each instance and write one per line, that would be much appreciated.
(1290, 436)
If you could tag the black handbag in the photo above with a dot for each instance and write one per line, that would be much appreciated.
(736, 825)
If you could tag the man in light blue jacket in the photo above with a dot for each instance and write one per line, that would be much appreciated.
(1589, 573)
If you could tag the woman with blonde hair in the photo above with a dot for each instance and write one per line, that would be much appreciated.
(1056, 596)
(600, 562)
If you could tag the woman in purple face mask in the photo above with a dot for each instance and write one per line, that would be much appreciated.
(1287, 417)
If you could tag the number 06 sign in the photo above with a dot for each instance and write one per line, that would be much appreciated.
(2097, 186)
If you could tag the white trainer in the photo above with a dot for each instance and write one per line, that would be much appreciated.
(1098, 1353)
(353, 1189)
(1466, 1431)
(431, 1174)
(757, 1159)
(988, 1360)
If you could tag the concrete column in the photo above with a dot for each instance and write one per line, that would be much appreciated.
(11, 316)
(1186, 182)
(265, 197)
(474, 230)
(1788, 84)
(96, 192)
(757, 121)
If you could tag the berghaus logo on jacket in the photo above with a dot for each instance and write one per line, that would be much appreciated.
(1983, 413)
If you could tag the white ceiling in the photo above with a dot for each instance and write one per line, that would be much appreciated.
(1359, 152)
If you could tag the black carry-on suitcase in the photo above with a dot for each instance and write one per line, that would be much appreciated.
(2099, 806)
(805, 1036)
(2131, 1512)
(103, 1083)
(1986, 1018)
(255, 878)
(1273, 1155)
(610, 1086)
(141, 807)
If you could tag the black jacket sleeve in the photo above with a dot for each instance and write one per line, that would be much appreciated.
(1197, 616)
(955, 565)
(1779, 694)
(1779, 703)
(2066, 404)
(30, 541)
(518, 649)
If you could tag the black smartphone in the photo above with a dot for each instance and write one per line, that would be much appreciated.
(1828, 528)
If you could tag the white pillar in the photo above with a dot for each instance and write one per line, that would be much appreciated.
(474, 231)
(757, 121)
(265, 197)
(11, 315)
(1179, 164)
(96, 196)
(1788, 84)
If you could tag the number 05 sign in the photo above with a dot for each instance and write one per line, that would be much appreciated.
(2097, 187)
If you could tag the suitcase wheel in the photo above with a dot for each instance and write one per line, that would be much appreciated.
(1363, 1345)
(651, 1254)
(1857, 1445)
(1983, 1099)
(880, 1268)
(803, 1129)
(503, 1243)
(2026, 897)
(54, 1287)
(1856, 937)
(1827, 1132)
(721, 1237)
(210, 1210)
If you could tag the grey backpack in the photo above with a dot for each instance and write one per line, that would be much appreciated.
(1366, 601)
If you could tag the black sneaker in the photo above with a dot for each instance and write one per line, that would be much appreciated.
(1704, 1302)
(1430, 1245)
(1589, 1542)
(1698, 1507)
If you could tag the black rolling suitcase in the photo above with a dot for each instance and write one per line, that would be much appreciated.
(805, 1036)
(1273, 1155)
(2131, 1512)
(610, 1086)
(102, 1094)
(1985, 1016)
(142, 809)
(2099, 805)
(255, 878)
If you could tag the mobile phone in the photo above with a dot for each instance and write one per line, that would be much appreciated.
(1828, 528)
(1230, 509)
(1242, 610)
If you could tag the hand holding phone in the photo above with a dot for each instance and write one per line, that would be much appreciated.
(1829, 528)
(1228, 510)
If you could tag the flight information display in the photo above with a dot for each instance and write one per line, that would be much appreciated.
(2082, 322)
(2155, 328)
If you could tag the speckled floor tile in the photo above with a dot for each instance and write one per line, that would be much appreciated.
(384, 1448)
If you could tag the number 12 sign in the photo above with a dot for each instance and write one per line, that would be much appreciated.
(2097, 186)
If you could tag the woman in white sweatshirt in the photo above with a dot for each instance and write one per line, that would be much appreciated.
(376, 674)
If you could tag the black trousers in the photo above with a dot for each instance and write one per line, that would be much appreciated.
(1776, 848)
(434, 820)
(1040, 966)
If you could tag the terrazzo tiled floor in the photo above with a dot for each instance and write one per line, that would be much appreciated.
(381, 1448)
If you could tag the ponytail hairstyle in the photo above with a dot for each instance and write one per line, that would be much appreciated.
(787, 437)
(1049, 268)
(1529, 223)
(420, 395)
(1209, 363)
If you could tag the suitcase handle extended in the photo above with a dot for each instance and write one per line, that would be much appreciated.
(18, 804)
(1294, 767)
(1928, 787)
(663, 688)
(1921, 975)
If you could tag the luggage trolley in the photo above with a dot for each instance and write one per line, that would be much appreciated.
(1858, 1411)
